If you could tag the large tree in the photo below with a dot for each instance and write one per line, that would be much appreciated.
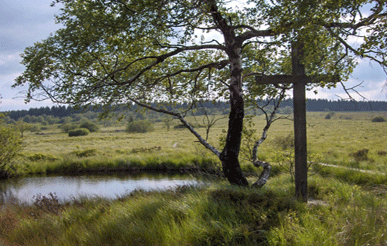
(112, 52)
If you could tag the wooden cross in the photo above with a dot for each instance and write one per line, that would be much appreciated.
(299, 81)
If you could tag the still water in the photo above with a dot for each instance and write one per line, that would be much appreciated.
(108, 186)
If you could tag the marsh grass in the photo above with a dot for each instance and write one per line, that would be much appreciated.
(219, 214)
(346, 206)
(331, 141)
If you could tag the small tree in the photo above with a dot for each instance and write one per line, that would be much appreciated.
(68, 127)
(92, 127)
(167, 120)
(22, 126)
(142, 52)
(10, 144)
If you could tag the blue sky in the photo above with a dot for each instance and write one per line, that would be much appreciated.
(24, 22)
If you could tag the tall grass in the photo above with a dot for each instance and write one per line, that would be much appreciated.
(338, 214)
(346, 206)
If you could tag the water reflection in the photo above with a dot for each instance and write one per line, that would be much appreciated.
(68, 187)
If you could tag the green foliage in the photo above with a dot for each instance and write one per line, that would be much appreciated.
(21, 126)
(79, 132)
(150, 52)
(329, 115)
(68, 127)
(284, 153)
(10, 145)
(92, 127)
(140, 126)
(162, 56)
(378, 119)
(284, 142)
(35, 128)
(249, 137)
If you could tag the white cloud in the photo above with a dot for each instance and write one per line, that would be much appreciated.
(19, 104)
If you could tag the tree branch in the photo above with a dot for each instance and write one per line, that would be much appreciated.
(158, 60)
(269, 120)
(182, 120)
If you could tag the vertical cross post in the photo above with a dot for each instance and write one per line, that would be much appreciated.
(299, 103)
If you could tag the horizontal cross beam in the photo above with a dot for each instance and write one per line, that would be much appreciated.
(293, 79)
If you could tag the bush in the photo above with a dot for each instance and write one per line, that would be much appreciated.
(10, 144)
(329, 115)
(378, 119)
(92, 127)
(35, 128)
(140, 126)
(284, 142)
(67, 127)
(79, 132)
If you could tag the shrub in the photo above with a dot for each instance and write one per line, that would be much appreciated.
(140, 126)
(10, 144)
(329, 115)
(92, 127)
(67, 127)
(378, 119)
(47, 204)
(35, 128)
(284, 142)
(79, 132)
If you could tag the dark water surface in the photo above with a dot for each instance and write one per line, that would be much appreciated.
(108, 186)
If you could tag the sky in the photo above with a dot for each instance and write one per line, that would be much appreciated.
(24, 22)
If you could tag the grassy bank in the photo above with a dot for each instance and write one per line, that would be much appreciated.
(339, 213)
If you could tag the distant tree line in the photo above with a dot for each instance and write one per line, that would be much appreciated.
(313, 105)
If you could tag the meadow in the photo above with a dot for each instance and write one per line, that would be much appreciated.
(332, 141)
(347, 199)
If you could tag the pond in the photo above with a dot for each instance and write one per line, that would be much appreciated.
(107, 186)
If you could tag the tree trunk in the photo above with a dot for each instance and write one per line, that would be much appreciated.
(229, 156)
(230, 153)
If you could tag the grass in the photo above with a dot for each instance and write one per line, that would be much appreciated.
(334, 141)
(346, 206)
(339, 214)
